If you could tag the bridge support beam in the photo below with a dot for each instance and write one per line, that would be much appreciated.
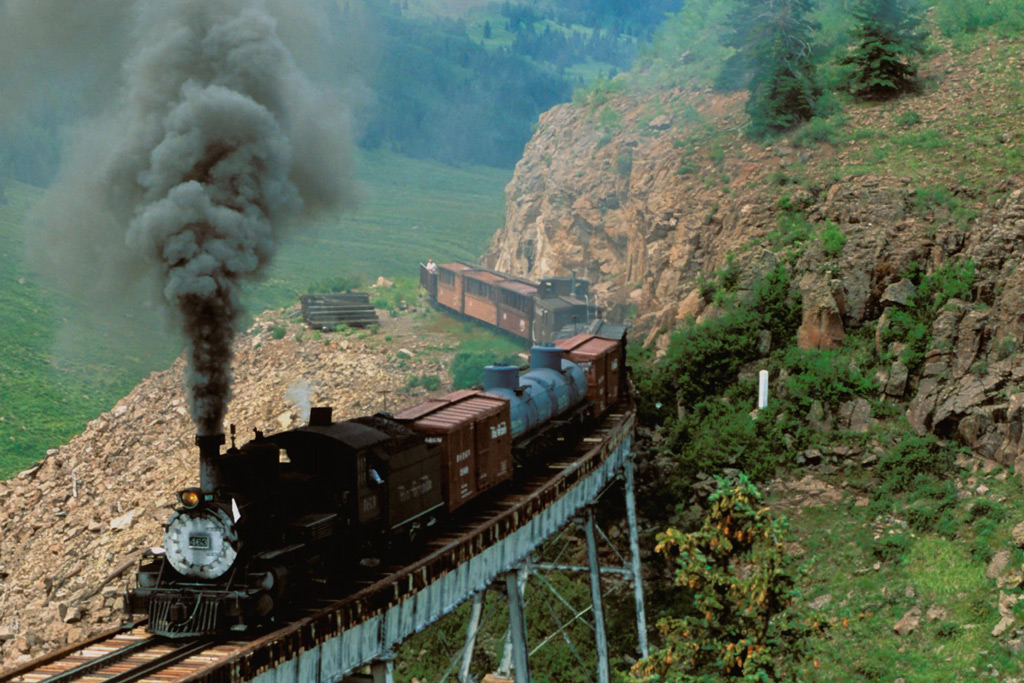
(517, 624)
(634, 551)
(471, 632)
(600, 636)
(383, 672)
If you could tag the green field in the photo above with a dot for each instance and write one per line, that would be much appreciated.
(61, 365)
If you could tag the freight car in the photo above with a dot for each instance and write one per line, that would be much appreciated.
(288, 513)
(534, 311)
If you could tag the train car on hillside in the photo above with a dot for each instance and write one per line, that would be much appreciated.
(534, 311)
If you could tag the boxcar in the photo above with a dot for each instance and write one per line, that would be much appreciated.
(534, 311)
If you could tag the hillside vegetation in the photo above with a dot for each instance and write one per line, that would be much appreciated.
(64, 364)
(866, 253)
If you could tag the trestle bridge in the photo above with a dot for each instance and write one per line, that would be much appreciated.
(339, 639)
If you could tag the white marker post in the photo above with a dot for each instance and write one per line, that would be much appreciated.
(762, 390)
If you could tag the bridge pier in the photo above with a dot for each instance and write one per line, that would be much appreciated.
(472, 629)
(596, 599)
(381, 671)
(515, 585)
(634, 551)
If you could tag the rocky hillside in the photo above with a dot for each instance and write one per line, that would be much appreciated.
(649, 192)
(73, 526)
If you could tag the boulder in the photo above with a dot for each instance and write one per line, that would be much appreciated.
(900, 292)
(1017, 534)
(908, 622)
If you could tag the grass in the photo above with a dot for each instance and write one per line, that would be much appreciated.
(876, 570)
(63, 365)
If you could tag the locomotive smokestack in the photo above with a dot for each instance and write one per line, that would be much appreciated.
(320, 416)
(209, 461)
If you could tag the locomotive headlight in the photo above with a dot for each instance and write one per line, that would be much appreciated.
(201, 543)
(189, 498)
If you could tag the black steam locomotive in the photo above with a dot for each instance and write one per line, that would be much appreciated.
(288, 513)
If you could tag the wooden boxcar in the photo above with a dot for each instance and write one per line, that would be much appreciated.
(534, 311)
(601, 360)
(472, 431)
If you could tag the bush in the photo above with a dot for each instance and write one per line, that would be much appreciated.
(908, 118)
(467, 369)
(933, 508)
(891, 547)
(428, 382)
(278, 332)
(832, 240)
(342, 283)
(956, 17)
(824, 375)
(816, 130)
(740, 623)
(624, 164)
(914, 461)
(912, 326)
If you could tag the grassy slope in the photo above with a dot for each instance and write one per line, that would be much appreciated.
(877, 569)
(408, 210)
(956, 134)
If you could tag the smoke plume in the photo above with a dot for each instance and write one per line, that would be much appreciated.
(301, 394)
(215, 143)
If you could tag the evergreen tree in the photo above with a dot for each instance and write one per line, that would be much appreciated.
(886, 35)
(773, 60)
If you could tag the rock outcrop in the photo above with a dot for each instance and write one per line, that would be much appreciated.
(647, 193)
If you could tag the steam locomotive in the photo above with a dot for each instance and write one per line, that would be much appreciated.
(290, 513)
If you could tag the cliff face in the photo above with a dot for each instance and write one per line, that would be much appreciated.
(646, 193)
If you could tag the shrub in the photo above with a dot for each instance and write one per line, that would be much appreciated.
(891, 547)
(428, 382)
(912, 326)
(278, 332)
(816, 130)
(832, 240)
(908, 118)
(912, 462)
(624, 163)
(740, 623)
(467, 368)
(342, 283)
(823, 375)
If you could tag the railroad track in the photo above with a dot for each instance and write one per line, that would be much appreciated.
(124, 655)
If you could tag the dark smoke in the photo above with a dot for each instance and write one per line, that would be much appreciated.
(215, 144)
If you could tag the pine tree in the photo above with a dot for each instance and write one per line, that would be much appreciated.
(888, 32)
(773, 60)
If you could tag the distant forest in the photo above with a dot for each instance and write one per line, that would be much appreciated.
(448, 92)
(460, 91)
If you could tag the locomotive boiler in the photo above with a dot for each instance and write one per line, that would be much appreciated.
(287, 514)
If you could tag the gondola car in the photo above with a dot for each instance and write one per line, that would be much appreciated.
(534, 311)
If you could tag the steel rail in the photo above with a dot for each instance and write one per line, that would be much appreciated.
(176, 655)
(103, 661)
